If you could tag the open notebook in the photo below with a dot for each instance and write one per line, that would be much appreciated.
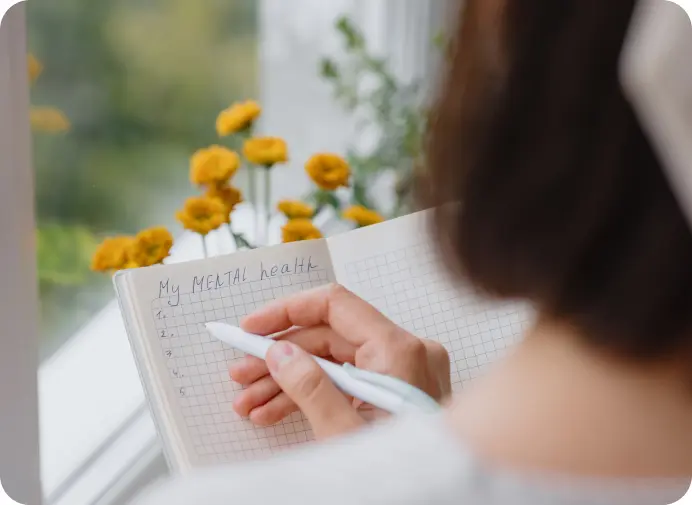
(185, 371)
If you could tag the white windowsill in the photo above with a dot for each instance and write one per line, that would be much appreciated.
(86, 392)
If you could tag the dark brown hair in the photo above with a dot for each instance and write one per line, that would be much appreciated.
(556, 194)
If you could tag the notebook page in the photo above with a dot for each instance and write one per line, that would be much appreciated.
(191, 367)
(394, 267)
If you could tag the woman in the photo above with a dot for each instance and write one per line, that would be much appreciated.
(564, 204)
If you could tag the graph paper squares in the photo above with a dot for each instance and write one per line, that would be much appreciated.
(410, 287)
(198, 366)
(407, 285)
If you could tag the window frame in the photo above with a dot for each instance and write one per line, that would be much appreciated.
(19, 446)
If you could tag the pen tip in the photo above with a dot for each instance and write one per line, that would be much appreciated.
(215, 326)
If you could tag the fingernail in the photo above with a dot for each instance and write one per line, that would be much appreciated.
(235, 366)
(281, 352)
(234, 369)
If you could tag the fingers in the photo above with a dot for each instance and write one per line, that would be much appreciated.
(248, 370)
(258, 394)
(264, 403)
(332, 322)
(261, 400)
(275, 410)
(304, 382)
(439, 366)
(402, 356)
(318, 340)
(321, 341)
(421, 363)
(349, 316)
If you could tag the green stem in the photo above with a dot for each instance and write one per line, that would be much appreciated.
(230, 232)
(267, 201)
(252, 175)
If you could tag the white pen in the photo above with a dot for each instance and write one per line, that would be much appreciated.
(378, 390)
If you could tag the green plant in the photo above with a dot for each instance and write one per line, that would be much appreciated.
(393, 110)
(63, 254)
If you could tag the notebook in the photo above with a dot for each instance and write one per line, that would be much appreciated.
(184, 370)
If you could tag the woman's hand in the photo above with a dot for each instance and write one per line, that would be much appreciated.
(333, 323)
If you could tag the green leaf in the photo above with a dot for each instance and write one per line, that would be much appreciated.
(412, 139)
(327, 198)
(312, 198)
(393, 108)
(354, 39)
(440, 40)
(64, 254)
(380, 68)
(329, 69)
(360, 195)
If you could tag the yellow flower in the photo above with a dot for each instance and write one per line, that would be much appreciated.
(328, 171)
(237, 117)
(150, 247)
(112, 254)
(202, 214)
(295, 209)
(300, 229)
(228, 195)
(362, 216)
(265, 151)
(35, 68)
(213, 165)
(48, 120)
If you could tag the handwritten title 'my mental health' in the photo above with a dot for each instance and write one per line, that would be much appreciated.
(235, 276)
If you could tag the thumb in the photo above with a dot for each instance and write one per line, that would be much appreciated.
(300, 377)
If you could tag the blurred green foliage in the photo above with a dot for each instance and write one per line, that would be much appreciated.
(392, 110)
(141, 82)
(63, 254)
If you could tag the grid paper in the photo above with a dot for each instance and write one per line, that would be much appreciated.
(410, 287)
(198, 366)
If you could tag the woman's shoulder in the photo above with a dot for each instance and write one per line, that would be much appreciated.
(408, 460)
(414, 452)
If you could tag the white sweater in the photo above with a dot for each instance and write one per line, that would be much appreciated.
(407, 461)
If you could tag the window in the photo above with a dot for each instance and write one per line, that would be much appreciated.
(123, 93)
(126, 92)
